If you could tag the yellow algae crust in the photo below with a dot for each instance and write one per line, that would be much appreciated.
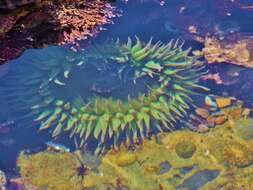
(219, 150)
(155, 165)
(52, 171)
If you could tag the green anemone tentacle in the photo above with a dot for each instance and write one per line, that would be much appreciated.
(174, 72)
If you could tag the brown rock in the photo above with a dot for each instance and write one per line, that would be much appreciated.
(202, 112)
(211, 121)
(220, 120)
(223, 102)
(237, 50)
(202, 128)
(236, 114)
(21, 184)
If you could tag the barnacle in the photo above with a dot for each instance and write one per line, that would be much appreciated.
(231, 152)
(167, 72)
(81, 19)
(237, 154)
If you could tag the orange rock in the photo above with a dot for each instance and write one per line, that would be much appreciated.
(202, 128)
(220, 120)
(246, 112)
(223, 102)
(202, 112)
(237, 50)
(211, 121)
(236, 113)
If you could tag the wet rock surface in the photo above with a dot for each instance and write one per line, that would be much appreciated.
(199, 179)
(3, 180)
(235, 49)
(45, 23)
(13, 4)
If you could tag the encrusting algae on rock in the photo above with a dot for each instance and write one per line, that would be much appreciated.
(55, 171)
(171, 161)
(237, 50)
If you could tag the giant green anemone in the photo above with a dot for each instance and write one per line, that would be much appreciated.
(162, 78)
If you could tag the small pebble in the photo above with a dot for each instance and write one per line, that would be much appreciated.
(164, 167)
(187, 169)
(246, 112)
(236, 113)
(126, 159)
(220, 120)
(202, 112)
(211, 121)
(202, 128)
(210, 102)
(223, 102)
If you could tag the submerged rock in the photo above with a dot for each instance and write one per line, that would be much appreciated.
(21, 184)
(164, 167)
(236, 49)
(126, 159)
(221, 119)
(56, 171)
(199, 179)
(223, 102)
(3, 181)
(243, 128)
(185, 149)
(187, 169)
(49, 22)
(204, 113)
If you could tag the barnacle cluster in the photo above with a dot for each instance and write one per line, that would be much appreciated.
(80, 19)
(238, 154)
(169, 73)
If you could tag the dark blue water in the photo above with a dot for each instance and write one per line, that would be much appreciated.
(144, 19)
